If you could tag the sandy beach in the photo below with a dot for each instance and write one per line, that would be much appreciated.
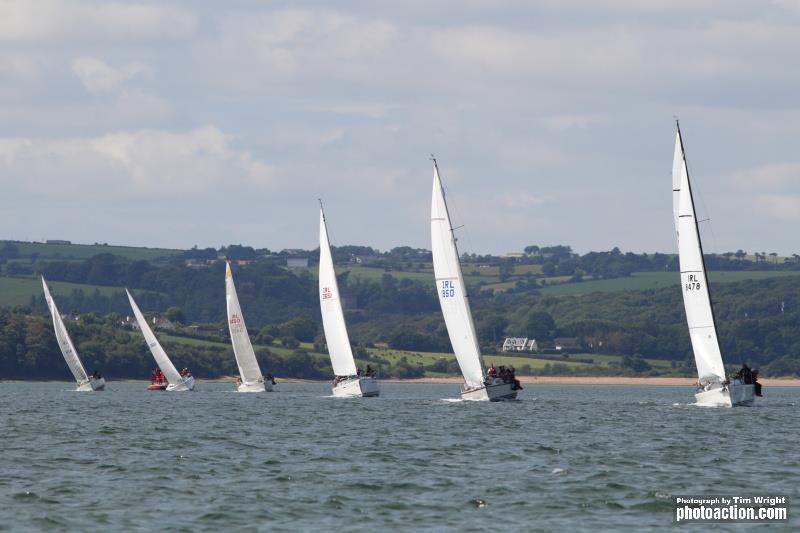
(600, 380)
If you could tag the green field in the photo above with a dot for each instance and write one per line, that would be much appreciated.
(85, 251)
(427, 358)
(18, 291)
(654, 280)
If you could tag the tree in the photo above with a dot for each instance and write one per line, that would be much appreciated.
(539, 325)
(174, 314)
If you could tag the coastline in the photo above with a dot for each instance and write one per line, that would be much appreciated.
(526, 380)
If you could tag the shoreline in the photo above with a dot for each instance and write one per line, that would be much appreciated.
(450, 380)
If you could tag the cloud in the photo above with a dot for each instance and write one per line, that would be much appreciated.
(780, 206)
(520, 200)
(770, 176)
(98, 76)
(140, 163)
(29, 21)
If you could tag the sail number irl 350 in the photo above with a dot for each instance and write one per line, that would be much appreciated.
(448, 288)
(692, 283)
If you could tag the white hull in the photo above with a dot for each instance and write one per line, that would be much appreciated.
(258, 386)
(357, 388)
(492, 393)
(92, 385)
(183, 385)
(729, 395)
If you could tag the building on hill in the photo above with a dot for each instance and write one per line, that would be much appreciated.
(129, 322)
(163, 323)
(520, 344)
(566, 343)
(297, 262)
(57, 241)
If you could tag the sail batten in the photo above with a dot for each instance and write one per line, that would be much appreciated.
(451, 289)
(64, 340)
(694, 281)
(333, 322)
(240, 339)
(162, 360)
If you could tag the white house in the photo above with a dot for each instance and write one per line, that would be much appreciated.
(520, 344)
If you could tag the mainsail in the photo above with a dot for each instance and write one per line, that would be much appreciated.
(163, 362)
(242, 348)
(331, 307)
(451, 289)
(696, 297)
(64, 342)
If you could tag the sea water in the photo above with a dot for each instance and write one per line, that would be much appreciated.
(563, 457)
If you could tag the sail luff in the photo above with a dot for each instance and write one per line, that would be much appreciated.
(333, 321)
(451, 289)
(162, 360)
(694, 281)
(64, 340)
(240, 339)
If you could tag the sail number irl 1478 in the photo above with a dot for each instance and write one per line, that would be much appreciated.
(448, 288)
(692, 283)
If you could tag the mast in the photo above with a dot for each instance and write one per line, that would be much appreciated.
(697, 230)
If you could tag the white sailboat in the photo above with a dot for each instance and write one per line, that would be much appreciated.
(177, 382)
(85, 382)
(348, 383)
(250, 377)
(714, 388)
(455, 305)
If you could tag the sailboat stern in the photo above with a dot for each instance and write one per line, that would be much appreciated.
(185, 384)
(256, 386)
(729, 395)
(497, 392)
(92, 385)
(357, 387)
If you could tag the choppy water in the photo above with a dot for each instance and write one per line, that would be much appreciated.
(562, 458)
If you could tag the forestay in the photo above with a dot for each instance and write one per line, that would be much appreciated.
(694, 282)
(64, 341)
(242, 348)
(451, 289)
(331, 307)
(163, 362)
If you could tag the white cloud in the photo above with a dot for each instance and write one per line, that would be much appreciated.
(780, 206)
(139, 163)
(98, 76)
(776, 175)
(53, 20)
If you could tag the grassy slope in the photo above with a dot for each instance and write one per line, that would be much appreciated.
(18, 291)
(654, 280)
(85, 251)
(427, 358)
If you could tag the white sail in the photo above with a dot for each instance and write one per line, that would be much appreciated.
(451, 289)
(64, 341)
(331, 307)
(242, 348)
(678, 173)
(163, 362)
(694, 282)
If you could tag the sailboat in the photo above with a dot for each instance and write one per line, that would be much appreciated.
(250, 377)
(455, 305)
(714, 388)
(85, 382)
(177, 381)
(348, 381)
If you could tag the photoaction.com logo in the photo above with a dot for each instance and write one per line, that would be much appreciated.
(731, 508)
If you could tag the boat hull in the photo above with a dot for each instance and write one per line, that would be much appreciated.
(361, 387)
(729, 395)
(258, 386)
(92, 385)
(492, 393)
(185, 384)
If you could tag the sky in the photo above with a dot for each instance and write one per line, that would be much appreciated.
(175, 124)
